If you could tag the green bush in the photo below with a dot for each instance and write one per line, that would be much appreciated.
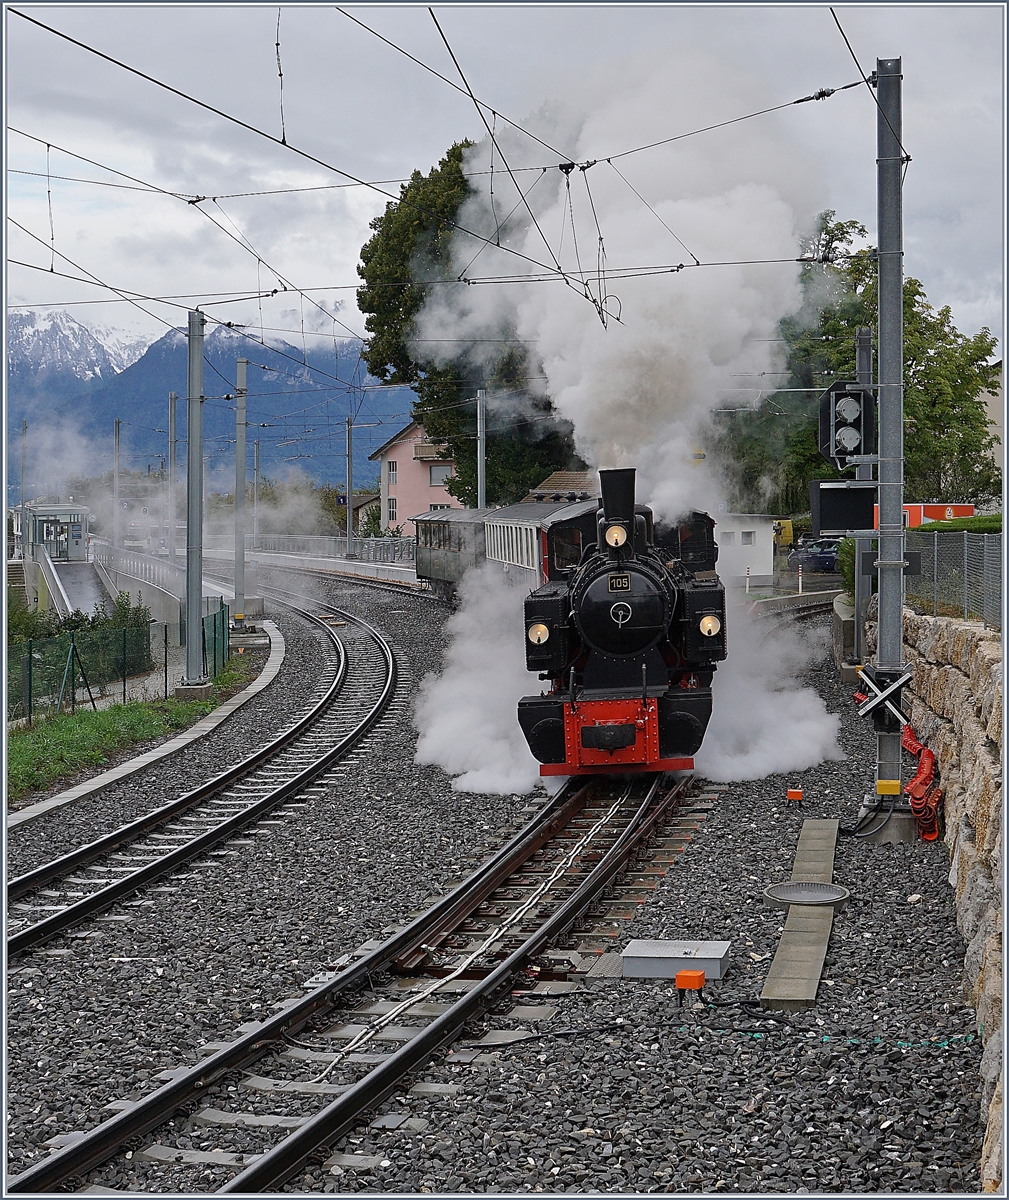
(846, 565)
(990, 523)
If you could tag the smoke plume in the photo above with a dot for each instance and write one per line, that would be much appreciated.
(763, 719)
(634, 360)
(466, 715)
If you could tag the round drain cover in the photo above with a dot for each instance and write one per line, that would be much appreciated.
(783, 895)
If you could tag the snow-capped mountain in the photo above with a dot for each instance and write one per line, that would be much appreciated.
(53, 343)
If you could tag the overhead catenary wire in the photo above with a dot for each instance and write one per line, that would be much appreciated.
(280, 73)
(865, 80)
(260, 132)
(820, 94)
(494, 142)
(452, 84)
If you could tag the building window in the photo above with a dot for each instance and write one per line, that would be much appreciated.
(727, 538)
(438, 507)
(391, 464)
(748, 537)
(392, 508)
(440, 474)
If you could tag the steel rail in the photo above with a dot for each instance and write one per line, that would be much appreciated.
(73, 914)
(99, 1144)
(83, 855)
(278, 1165)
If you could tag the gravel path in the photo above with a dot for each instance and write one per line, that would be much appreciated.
(874, 1090)
(246, 730)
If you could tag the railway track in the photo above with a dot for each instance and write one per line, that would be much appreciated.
(60, 895)
(416, 991)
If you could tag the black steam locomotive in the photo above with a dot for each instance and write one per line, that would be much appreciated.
(628, 633)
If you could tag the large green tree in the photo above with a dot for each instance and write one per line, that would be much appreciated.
(410, 252)
(771, 452)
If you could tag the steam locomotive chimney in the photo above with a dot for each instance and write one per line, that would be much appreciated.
(617, 489)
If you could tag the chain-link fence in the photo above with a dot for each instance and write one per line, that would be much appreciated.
(961, 575)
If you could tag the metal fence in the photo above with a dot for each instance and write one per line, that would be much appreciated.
(368, 550)
(146, 568)
(961, 575)
(47, 674)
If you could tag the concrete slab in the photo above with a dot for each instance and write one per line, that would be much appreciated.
(794, 974)
(196, 1158)
(215, 1116)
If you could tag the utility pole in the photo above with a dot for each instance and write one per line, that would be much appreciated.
(195, 678)
(255, 494)
(890, 351)
(350, 487)
(172, 472)
(240, 394)
(115, 484)
(863, 583)
(481, 448)
(24, 514)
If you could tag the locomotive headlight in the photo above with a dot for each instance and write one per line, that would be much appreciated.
(616, 535)
(538, 633)
(710, 625)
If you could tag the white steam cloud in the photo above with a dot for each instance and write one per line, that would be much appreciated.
(763, 721)
(466, 715)
(678, 344)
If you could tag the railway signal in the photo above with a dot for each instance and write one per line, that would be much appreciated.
(847, 423)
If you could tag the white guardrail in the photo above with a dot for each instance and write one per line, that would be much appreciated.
(146, 567)
(57, 592)
(380, 550)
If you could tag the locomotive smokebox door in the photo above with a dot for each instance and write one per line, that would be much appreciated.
(546, 625)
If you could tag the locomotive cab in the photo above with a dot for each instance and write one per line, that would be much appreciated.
(628, 639)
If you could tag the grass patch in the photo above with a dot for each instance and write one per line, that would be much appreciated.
(59, 747)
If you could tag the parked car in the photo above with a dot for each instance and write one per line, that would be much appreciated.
(816, 556)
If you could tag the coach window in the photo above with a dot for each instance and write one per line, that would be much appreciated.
(441, 473)
(567, 549)
(392, 470)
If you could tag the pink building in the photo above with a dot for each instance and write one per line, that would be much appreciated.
(413, 478)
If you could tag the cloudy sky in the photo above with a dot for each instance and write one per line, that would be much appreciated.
(357, 104)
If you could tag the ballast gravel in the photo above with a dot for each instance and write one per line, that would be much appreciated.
(94, 1019)
(874, 1090)
(249, 727)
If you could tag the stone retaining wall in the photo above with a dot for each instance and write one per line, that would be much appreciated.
(956, 699)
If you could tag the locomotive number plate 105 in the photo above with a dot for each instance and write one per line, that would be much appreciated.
(619, 583)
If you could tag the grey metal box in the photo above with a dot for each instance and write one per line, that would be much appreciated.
(661, 960)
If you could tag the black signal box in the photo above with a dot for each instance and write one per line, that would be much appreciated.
(837, 506)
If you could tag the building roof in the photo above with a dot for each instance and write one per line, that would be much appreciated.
(396, 437)
(462, 516)
(538, 512)
(567, 485)
(367, 498)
